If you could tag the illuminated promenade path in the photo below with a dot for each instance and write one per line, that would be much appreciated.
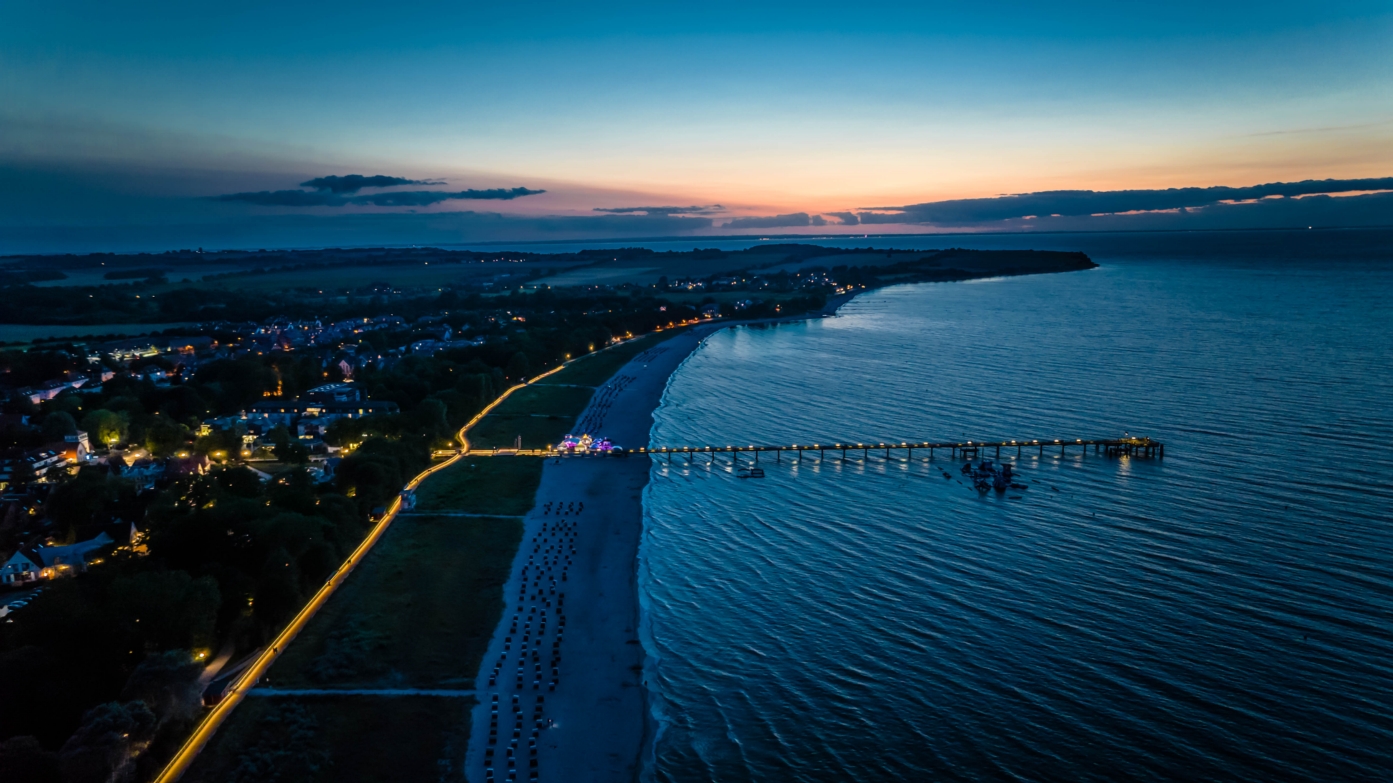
(1115, 447)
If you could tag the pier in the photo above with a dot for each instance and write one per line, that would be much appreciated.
(1114, 447)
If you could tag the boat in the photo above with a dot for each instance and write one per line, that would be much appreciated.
(748, 473)
(990, 475)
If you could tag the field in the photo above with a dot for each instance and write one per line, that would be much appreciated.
(345, 739)
(599, 367)
(540, 414)
(544, 412)
(482, 485)
(646, 269)
(346, 277)
(418, 613)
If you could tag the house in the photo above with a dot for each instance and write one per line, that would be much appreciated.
(197, 464)
(143, 471)
(37, 463)
(22, 567)
(287, 412)
(48, 391)
(76, 447)
(48, 562)
(334, 392)
(711, 310)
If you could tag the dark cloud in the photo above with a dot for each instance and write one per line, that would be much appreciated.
(847, 218)
(776, 221)
(1070, 203)
(287, 198)
(352, 183)
(421, 198)
(399, 198)
(707, 210)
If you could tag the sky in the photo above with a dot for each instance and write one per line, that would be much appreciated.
(173, 125)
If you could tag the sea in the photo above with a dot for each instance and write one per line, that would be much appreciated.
(1224, 613)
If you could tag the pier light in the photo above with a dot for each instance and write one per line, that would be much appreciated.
(1056, 440)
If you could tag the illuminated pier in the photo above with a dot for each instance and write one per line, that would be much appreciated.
(1131, 447)
(1115, 447)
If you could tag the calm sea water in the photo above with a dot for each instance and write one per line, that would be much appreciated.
(1224, 614)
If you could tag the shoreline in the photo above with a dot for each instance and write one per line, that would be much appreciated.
(598, 721)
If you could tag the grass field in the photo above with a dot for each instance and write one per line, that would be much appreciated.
(544, 412)
(344, 739)
(541, 414)
(418, 613)
(482, 485)
(346, 277)
(595, 369)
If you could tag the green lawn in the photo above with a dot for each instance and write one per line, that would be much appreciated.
(502, 431)
(343, 739)
(595, 369)
(541, 414)
(545, 411)
(545, 398)
(417, 613)
(483, 485)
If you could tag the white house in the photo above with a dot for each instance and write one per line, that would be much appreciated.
(20, 568)
(47, 562)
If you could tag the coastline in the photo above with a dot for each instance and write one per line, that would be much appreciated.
(600, 726)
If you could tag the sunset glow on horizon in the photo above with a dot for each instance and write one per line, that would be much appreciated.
(138, 118)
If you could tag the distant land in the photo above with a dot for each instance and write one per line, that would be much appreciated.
(191, 286)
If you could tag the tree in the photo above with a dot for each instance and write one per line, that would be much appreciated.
(23, 758)
(168, 684)
(106, 744)
(166, 610)
(518, 367)
(108, 428)
(277, 590)
(58, 425)
(85, 498)
(164, 436)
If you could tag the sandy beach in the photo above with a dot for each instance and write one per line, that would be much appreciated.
(591, 727)
(564, 670)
